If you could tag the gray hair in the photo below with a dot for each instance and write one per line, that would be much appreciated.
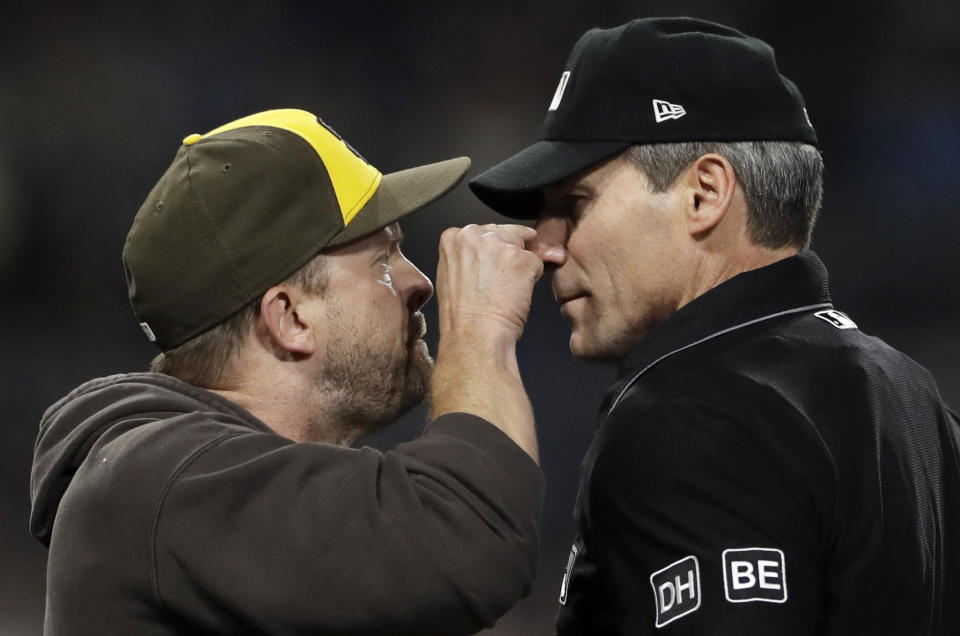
(782, 181)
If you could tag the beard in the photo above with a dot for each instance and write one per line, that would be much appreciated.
(372, 381)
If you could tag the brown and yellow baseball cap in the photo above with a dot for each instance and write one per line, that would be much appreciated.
(246, 205)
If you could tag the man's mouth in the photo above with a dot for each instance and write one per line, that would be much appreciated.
(564, 292)
(563, 300)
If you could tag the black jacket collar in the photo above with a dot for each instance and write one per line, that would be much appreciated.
(793, 284)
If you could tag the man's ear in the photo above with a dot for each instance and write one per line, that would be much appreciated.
(712, 185)
(287, 329)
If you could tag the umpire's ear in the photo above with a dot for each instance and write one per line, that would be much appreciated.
(710, 185)
(283, 323)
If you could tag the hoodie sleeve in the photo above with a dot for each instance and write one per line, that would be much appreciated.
(439, 536)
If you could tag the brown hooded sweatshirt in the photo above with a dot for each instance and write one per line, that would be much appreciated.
(168, 509)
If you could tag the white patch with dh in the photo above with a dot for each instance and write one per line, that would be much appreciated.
(676, 590)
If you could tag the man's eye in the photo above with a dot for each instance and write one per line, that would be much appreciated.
(575, 205)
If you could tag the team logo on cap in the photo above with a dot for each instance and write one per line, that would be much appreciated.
(345, 142)
(665, 110)
(558, 95)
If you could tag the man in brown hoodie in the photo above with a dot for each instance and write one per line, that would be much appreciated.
(219, 494)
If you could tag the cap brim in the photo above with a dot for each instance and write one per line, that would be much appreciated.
(401, 193)
(512, 187)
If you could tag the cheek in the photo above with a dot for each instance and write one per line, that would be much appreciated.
(385, 312)
(627, 280)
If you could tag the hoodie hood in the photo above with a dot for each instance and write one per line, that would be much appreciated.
(101, 410)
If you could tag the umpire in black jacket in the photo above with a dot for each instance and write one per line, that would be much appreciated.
(762, 466)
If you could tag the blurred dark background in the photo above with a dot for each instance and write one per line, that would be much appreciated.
(95, 101)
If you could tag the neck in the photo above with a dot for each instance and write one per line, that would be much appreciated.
(291, 407)
(273, 411)
(718, 267)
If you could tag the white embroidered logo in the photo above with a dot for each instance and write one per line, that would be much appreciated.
(676, 590)
(755, 574)
(836, 318)
(558, 95)
(665, 110)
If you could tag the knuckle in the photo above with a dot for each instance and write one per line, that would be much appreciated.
(471, 233)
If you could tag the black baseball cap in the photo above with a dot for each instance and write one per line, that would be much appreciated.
(652, 80)
(245, 205)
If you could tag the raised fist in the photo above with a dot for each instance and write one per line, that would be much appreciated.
(485, 279)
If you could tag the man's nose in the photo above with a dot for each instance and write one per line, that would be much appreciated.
(417, 288)
(550, 243)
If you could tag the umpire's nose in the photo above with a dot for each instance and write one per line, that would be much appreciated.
(550, 243)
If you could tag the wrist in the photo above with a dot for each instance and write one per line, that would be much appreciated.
(489, 325)
(479, 344)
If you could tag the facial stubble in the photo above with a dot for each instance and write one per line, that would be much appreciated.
(370, 380)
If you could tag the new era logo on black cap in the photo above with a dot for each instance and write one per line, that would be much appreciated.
(558, 94)
(665, 110)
